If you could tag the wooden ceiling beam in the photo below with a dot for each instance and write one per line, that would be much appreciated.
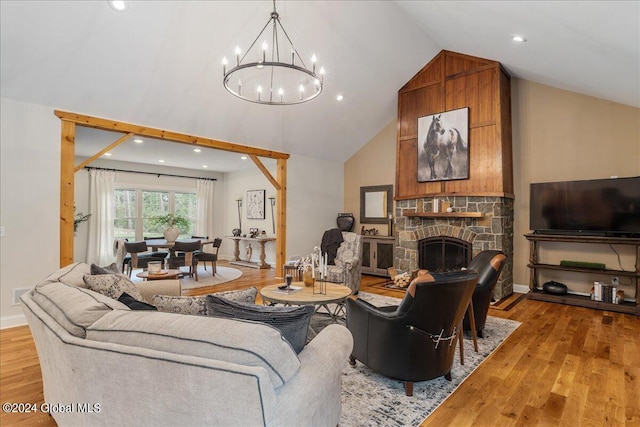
(67, 171)
(98, 123)
(265, 171)
(104, 150)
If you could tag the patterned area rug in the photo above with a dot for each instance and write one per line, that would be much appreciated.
(370, 399)
(205, 278)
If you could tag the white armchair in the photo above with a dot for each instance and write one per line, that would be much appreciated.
(348, 262)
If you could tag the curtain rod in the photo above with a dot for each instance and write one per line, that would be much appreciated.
(148, 173)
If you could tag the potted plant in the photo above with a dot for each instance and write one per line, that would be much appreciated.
(79, 218)
(174, 224)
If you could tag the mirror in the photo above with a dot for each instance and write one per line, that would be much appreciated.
(376, 204)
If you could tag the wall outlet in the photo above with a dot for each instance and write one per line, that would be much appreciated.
(614, 281)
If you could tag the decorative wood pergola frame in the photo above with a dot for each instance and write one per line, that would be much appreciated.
(68, 170)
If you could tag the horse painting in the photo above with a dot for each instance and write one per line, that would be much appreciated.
(444, 151)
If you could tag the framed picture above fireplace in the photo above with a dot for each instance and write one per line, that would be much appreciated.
(443, 146)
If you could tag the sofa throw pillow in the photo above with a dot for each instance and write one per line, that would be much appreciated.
(195, 305)
(112, 285)
(134, 304)
(244, 295)
(293, 322)
(181, 305)
(110, 269)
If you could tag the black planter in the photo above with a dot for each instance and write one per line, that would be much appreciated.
(345, 221)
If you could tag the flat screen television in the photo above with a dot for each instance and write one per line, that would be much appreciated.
(598, 207)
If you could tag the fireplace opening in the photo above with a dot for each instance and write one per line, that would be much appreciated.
(442, 253)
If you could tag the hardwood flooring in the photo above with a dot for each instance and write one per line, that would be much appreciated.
(564, 366)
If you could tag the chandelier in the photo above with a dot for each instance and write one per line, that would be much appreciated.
(265, 77)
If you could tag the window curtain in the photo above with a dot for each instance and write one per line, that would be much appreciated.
(204, 213)
(100, 242)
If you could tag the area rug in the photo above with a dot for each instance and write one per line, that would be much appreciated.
(370, 399)
(205, 278)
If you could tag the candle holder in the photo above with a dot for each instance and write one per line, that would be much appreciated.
(320, 285)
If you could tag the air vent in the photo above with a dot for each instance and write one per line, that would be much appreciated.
(17, 292)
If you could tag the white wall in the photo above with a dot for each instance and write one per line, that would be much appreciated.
(314, 199)
(30, 201)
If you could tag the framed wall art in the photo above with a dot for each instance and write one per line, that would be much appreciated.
(255, 204)
(443, 146)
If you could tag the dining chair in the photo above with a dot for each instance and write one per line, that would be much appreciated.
(184, 256)
(160, 252)
(138, 258)
(211, 257)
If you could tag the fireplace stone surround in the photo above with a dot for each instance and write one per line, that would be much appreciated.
(493, 231)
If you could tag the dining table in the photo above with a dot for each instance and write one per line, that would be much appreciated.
(156, 244)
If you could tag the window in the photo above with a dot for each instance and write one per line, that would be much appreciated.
(135, 208)
(126, 215)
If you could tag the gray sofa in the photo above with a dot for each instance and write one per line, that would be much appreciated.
(105, 364)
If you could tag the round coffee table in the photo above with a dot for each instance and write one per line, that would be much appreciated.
(335, 294)
(164, 274)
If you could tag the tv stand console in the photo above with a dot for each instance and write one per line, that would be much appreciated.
(536, 292)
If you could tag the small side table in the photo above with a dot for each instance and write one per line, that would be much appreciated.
(164, 274)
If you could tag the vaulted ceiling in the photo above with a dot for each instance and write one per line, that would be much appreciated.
(159, 63)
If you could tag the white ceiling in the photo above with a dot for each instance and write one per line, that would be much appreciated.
(159, 63)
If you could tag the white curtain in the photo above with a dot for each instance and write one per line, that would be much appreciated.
(100, 242)
(204, 214)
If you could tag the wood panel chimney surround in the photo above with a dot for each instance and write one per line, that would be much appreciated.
(483, 204)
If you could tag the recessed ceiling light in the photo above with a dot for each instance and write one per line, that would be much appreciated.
(118, 5)
(138, 141)
(205, 166)
(197, 150)
(519, 38)
(107, 154)
(160, 161)
(340, 97)
(244, 157)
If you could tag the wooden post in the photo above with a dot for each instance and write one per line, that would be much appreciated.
(281, 214)
(67, 153)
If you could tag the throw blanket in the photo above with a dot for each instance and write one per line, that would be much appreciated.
(119, 252)
(331, 240)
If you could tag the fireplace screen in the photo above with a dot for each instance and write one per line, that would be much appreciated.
(442, 254)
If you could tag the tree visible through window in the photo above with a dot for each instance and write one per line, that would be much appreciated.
(135, 207)
(126, 215)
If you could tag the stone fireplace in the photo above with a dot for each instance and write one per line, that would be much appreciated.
(455, 240)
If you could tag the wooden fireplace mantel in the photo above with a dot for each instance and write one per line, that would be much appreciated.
(444, 214)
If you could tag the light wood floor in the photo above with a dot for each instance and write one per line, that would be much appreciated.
(564, 365)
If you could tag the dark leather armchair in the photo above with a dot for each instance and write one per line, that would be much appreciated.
(415, 341)
(488, 264)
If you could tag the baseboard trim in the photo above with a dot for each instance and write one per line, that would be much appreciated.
(521, 289)
(12, 321)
